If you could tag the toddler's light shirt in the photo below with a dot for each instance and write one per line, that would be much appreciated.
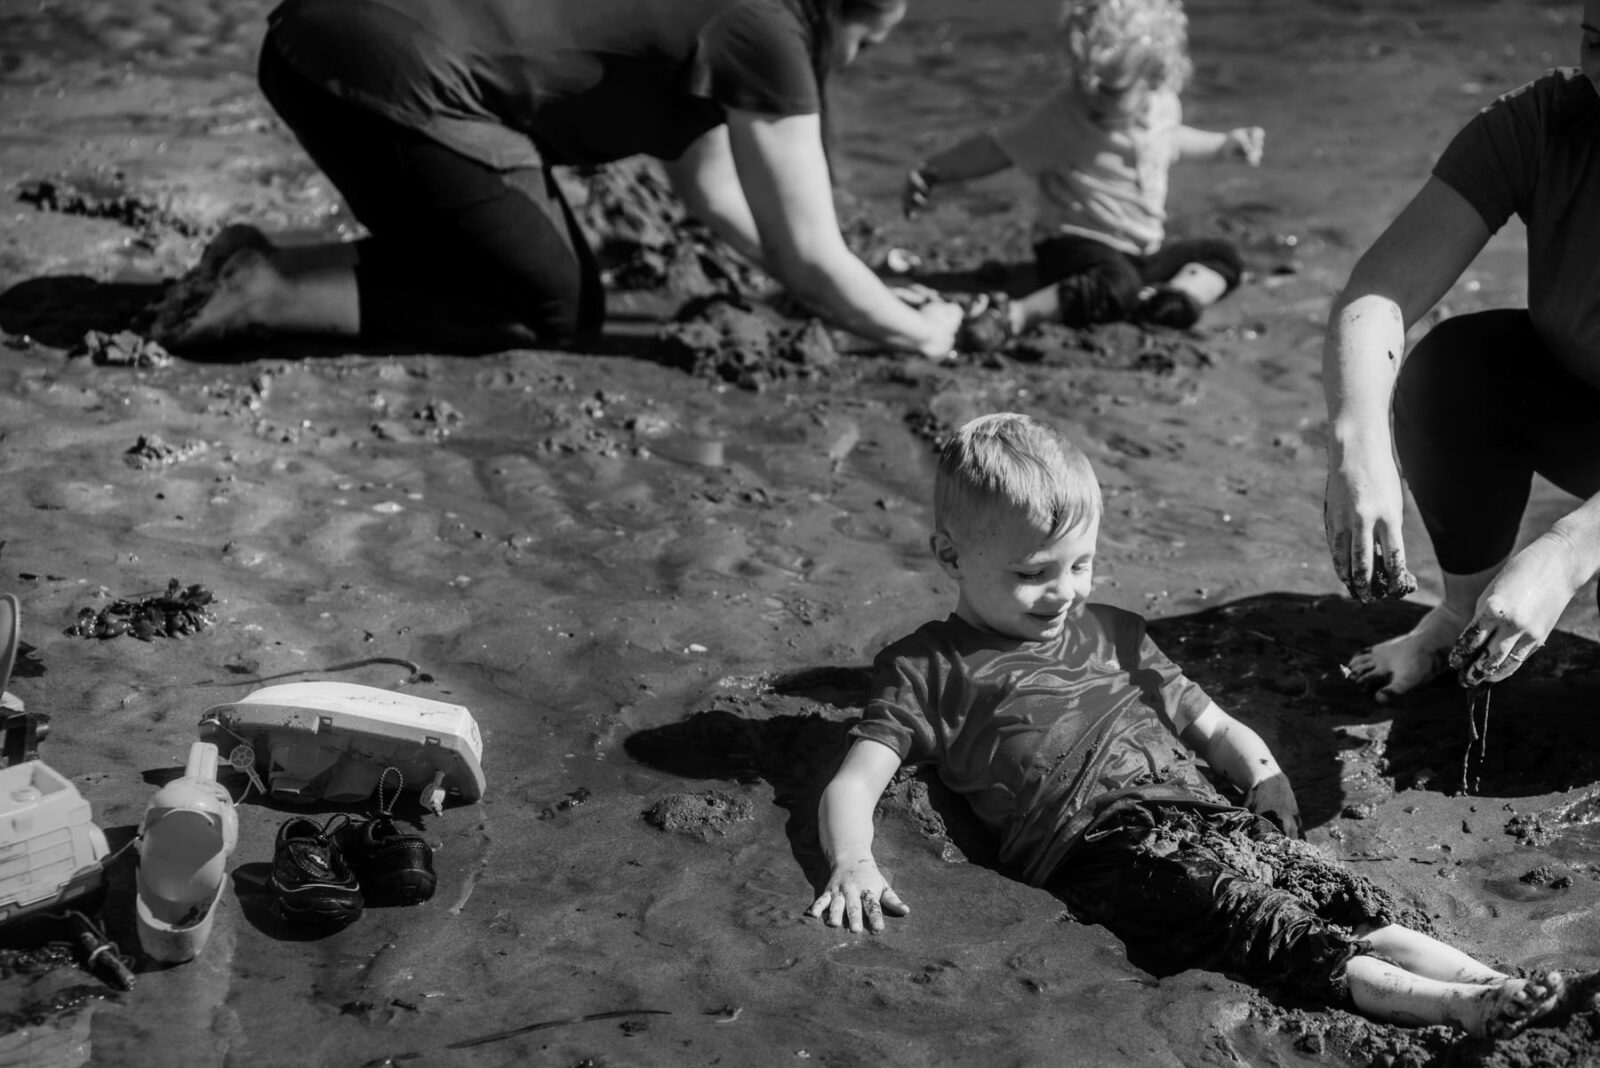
(1109, 185)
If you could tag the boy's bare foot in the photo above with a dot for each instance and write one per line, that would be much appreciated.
(203, 307)
(1510, 1006)
(1417, 657)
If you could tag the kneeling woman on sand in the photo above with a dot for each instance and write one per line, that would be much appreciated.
(1485, 400)
(439, 123)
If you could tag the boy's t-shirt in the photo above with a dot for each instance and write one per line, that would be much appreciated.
(1040, 737)
(1109, 185)
(1535, 153)
(517, 83)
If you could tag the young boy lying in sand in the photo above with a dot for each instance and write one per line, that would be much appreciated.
(1098, 150)
(1074, 740)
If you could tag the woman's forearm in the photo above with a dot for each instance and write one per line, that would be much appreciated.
(849, 295)
(1361, 357)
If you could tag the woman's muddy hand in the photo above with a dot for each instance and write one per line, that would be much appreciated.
(1517, 612)
(1362, 511)
(943, 320)
(857, 896)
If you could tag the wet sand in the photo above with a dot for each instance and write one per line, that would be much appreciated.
(656, 591)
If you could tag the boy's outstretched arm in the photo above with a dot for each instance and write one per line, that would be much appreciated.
(1245, 143)
(856, 891)
(1239, 754)
(976, 157)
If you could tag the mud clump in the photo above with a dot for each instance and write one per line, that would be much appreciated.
(703, 816)
(748, 345)
(181, 610)
(152, 451)
(124, 348)
(104, 198)
(647, 241)
(1112, 346)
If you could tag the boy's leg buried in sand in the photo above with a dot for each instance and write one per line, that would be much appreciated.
(1419, 980)
(1422, 654)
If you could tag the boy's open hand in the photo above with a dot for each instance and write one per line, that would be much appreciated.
(857, 895)
(1273, 798)
(1246, 143)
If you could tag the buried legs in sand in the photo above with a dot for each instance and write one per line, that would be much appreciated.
(245, 285)
(1411, 978)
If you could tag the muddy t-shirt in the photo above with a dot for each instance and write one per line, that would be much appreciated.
(1110, 185)
(1040, 737)
(520, 82)
(1535, 153)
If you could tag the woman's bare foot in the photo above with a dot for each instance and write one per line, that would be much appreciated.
(1510, 1006)
(170, 317)
(203, 309)
(1411, 660)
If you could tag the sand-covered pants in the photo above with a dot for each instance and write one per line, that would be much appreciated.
(1215, 887)
(1096, 283)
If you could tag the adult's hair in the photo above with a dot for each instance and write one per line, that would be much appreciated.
(1008, 466)
(822, 19)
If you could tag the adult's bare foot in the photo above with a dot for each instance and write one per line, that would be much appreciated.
(203, 309)
(1415, 658)
(1511, 1005)
(165, 319)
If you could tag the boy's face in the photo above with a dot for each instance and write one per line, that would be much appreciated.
(1018, 582)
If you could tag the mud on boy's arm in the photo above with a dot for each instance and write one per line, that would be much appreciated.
(1240, 756)
(856, 893)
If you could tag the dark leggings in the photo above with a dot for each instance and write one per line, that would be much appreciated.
(1480, 406)
(1095, 283)
(461, 257)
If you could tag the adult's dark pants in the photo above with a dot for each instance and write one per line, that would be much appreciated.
(462, 257)
(1480, 407)
(1096, 283)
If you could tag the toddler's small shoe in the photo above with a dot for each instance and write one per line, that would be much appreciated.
(310, 877)
(394, 868)
(1167, 306)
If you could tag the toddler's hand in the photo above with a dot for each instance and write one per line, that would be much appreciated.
(1246, 143)
(857, 893)
(917, 192)
(1273, 798)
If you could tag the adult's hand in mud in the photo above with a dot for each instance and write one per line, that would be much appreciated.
(857, 895)
(1273, 798)
(1362, 511)
(1517, 612)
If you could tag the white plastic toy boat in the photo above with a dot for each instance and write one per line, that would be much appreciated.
(188, 831)
(333, 741)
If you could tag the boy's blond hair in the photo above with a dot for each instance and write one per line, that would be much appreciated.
(1117, 41)
(1013, 464)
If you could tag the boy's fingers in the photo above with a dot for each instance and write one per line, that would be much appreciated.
(820, 903)
(893, 904)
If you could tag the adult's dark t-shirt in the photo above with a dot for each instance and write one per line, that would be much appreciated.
(522, 82)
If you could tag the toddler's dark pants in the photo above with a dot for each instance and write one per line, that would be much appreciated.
(1096, 283)
(1173, 886)
(1480, 406)
(461, 257)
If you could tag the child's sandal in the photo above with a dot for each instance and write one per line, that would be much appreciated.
(987, 325)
